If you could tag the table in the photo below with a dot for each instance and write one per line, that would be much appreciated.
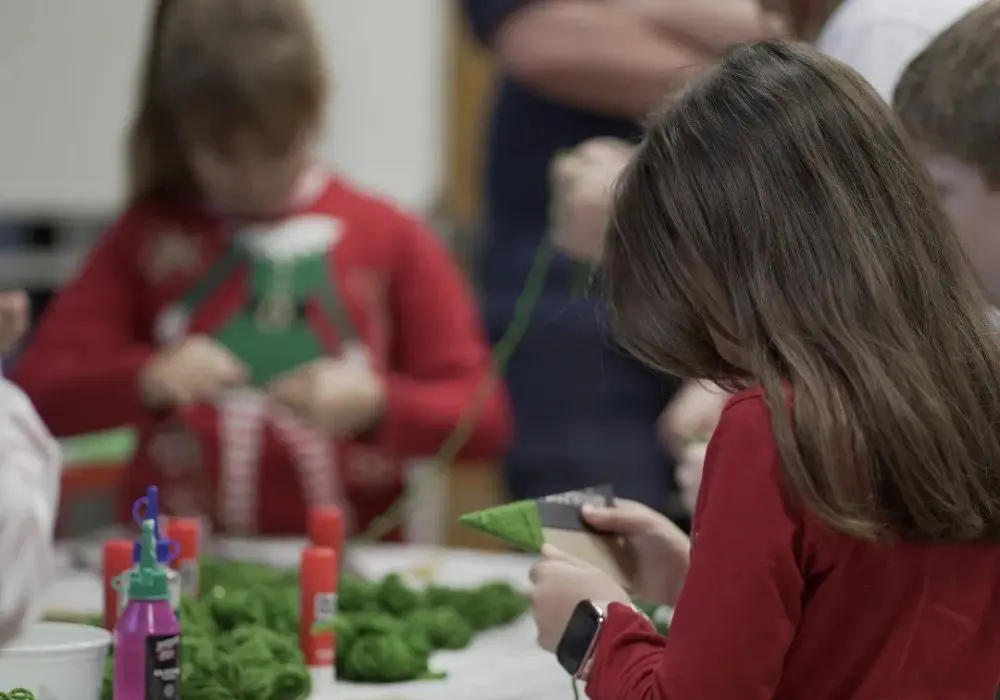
(502, 664)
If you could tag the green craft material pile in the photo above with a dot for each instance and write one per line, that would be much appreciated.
(241, 640)
(516, 523)
(17, 694)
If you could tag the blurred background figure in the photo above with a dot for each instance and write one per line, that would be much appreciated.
(572, 71)
(305, 338)
(879, 38)
(30, 465)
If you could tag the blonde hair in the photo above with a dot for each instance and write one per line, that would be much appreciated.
(215, 68)
(949, 96)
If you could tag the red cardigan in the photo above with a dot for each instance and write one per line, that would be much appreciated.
(401, 289)
(778, 607)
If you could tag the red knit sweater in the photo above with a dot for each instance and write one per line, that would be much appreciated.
(400, 287)
(778, 607)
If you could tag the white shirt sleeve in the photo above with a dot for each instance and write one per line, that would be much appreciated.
(880, 51)
(30, 470)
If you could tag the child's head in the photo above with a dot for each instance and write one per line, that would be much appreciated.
(231, 100)
(949, 100)
(776, 228)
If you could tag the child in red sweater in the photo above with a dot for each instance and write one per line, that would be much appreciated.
(278, 338)
(775, 233)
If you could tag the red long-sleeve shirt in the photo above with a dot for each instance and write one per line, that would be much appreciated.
(400, 287)
(778, 607)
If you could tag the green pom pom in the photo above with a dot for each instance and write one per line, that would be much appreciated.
(396, 598)
(444, 628)
(516, 523)
(357, 595)
(381, 658)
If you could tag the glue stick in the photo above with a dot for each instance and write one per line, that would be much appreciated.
(116, 560)
(318, 588)
(186, 532)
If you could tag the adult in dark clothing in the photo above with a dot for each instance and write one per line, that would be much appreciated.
(573, 70)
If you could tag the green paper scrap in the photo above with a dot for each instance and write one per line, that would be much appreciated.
(516, 523)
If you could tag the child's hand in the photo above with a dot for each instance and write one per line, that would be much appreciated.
(662, 550)
(582, 183)
(560, 583)
(199, 369)
(691, 416)
(14, 312)
(342, 396)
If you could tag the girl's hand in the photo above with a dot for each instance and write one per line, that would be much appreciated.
(582, 185)
(691, 416)
(199, 369)
(341, 396)
(561, 582)
(662, 550)
(14, 312)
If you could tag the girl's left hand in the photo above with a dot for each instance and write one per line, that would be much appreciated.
(341, 396)
(561, 582)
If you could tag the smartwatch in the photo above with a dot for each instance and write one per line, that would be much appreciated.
(579, 640)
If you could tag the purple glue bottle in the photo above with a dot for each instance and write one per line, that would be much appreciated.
(148, 636)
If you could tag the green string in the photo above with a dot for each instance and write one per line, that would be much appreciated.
(524, 308)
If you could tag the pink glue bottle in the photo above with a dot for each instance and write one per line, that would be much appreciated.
(148, 636)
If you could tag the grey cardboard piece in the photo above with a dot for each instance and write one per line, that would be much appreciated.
(564, 528)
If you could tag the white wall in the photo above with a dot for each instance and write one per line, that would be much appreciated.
(67, 72)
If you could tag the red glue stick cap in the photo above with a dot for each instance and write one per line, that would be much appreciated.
(117, 557)
(326, 527)
(186, 532)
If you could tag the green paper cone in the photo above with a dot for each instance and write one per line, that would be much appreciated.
(516, 523)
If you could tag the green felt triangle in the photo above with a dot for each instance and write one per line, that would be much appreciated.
(516, 523)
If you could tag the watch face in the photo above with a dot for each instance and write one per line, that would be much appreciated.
(576, 640)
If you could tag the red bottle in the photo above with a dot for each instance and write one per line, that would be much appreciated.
(186, 532)
(318, 588)
(115, 561)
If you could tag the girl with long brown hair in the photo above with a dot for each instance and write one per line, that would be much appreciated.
(775, 233)
(278, 338)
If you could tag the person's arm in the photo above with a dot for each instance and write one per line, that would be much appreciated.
(880, 51)
(739, 609)
(589, 54)
(440, 386)
(30, 465)
(712, 25)
(81, 367)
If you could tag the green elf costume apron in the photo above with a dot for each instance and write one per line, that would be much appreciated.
(288, 269)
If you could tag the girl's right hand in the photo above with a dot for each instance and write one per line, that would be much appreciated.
(198, 369)
(662, 550)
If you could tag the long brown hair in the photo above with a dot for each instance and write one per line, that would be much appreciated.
(216, 68)
(948, 96)
(776, 229)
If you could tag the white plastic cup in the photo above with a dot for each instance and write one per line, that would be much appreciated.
(56, 661)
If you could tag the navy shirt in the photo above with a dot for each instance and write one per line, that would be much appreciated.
(585, 412)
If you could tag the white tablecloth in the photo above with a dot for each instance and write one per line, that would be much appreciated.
(503, 664)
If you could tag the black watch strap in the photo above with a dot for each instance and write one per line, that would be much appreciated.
(579, 639)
